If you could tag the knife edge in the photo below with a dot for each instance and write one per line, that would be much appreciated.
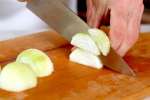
(116, 63)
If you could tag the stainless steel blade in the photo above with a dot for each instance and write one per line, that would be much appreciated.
(60, 18)
(116, 63)
(65, 22)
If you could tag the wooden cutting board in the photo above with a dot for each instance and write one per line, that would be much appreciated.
(71, 81)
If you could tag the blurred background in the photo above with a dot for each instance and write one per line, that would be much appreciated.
(17, 20)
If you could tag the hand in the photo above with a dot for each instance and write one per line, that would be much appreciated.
(96, 10)
(125, 18)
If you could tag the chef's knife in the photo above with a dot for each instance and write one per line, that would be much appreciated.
(65, 22)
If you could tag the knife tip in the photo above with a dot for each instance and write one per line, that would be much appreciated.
(129, 72)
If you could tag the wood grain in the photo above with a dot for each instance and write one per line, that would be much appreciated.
(71, 81)
(44, 41)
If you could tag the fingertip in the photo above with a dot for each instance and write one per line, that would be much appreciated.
(96, 22)
(91, 18)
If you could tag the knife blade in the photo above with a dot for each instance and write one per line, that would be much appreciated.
(65, 22)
